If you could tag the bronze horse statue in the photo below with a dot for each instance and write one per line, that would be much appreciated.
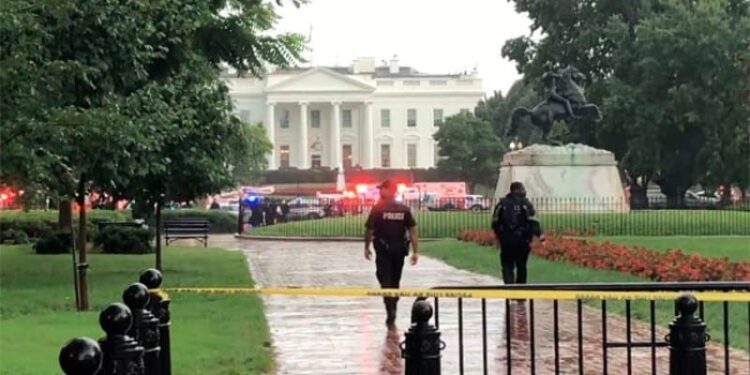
(564, 101)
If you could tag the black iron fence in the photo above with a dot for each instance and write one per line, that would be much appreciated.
(686, 339)
(445, 218)
(137, 340)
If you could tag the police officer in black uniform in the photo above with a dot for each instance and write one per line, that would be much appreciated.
(386, 230)
(514, 230)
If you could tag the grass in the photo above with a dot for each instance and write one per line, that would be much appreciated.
(210, 334)
(485, 260)
(448, 224)
(736, 248)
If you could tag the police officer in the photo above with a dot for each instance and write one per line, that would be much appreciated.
(514, 230)
(386, 226)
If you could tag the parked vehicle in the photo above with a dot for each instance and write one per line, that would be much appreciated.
(475, 202)
(306, 208)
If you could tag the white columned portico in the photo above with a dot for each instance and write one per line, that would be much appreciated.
(336, 136)
(270, 127)
(367, 137)
(304, 159)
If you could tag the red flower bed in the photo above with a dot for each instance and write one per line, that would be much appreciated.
(672, 265)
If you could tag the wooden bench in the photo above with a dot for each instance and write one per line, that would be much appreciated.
(186, 228)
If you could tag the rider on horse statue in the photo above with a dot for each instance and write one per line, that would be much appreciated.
(550, 81)
(564, 101)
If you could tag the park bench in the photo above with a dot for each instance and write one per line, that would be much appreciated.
(186, 228)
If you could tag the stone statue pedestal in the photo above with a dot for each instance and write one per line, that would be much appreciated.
(570, 178)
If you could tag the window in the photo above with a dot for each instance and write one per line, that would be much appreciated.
(284, 155)
(411, 155)
(385, 156)
(346, 118)
(437, 116)
(411, 118)
(438, 82)
(245, 116)
(411, 83)
(347, 153)
(384, 83)
(285, 119)
(385, 118)
(315, 119)
(315, 161)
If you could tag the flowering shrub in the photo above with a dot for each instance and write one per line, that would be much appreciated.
(672, 265)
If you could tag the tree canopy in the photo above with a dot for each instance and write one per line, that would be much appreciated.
(670, 76)
(468, 147)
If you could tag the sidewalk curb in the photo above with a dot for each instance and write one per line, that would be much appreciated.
(317, 239)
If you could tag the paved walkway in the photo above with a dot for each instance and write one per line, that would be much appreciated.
(314, 335)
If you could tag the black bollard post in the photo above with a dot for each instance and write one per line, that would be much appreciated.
(422, 346)
(122, 354)
(145, 328)
(81, 356)
(159, 306)
(687, 339)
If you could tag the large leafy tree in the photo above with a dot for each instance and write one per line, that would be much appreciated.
(125, 97)
(468, 147)
(671, 78)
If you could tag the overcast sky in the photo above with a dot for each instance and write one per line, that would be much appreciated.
(433, 36)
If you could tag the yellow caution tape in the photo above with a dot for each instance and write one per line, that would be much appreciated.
(735, 296)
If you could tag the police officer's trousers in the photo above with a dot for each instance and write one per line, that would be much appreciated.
(389, 268)
(514, 255)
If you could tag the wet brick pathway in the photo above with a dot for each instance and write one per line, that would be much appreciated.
(321, 335)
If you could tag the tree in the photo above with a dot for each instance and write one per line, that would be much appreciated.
(249, 166)
(468, 147)
(126, 98)
(668, 74)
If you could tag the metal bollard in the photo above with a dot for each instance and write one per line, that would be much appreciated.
(122, 354)
(81, 356)
(145, 327)
(687, 339)
(159, 306)
(422, 346)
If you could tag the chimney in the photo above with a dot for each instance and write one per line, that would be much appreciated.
(363, 65)
(394, 69)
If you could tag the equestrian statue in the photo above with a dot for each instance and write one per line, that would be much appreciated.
(564, 101)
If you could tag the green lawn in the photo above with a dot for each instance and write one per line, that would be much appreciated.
(448, 224)
(484, 259)
(210, 334)
(736, 248)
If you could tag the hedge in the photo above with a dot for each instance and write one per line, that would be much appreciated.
(220, 221)
(124, 240)
(36, 223)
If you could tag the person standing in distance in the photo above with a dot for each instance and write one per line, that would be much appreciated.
(386, 229)
(513, 229)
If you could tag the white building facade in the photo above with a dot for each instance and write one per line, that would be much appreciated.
(363, 115)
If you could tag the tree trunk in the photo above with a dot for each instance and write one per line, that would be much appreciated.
(158, 236)
(81, 245)
(64, 215)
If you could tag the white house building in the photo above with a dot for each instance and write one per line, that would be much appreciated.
(362, 115)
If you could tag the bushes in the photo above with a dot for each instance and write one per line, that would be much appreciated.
(54, 243)
(38, 223)
(220, 221)
(16, 237)
(673, 265)
(124, 240)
